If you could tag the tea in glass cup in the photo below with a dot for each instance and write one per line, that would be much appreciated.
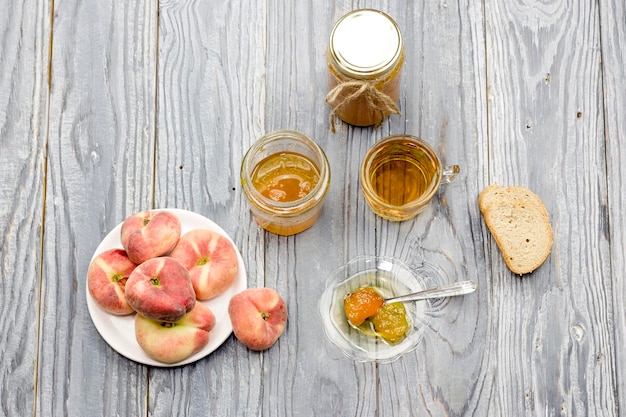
(400, 174)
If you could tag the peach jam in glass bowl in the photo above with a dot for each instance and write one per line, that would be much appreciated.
(391, 277)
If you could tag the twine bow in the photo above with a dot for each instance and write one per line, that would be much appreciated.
(349, 91)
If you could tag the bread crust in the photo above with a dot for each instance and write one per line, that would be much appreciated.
(519, 223)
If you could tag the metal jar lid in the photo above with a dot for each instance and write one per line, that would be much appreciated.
(365, 44)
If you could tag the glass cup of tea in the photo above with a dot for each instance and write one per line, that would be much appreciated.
(400, 174)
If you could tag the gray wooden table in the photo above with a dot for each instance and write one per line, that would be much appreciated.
(108, 108)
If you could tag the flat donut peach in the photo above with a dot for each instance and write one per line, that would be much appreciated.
(106, 279)
(150, 234)
(160, 289)
(211, 260)
(173, 342)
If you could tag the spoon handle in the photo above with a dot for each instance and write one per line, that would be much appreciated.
(457, 288)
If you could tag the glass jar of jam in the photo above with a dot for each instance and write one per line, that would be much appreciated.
(365, 56)
(285, 177)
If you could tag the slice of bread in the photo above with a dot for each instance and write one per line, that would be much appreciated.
(519, 223)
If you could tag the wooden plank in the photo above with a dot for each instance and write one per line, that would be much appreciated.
(324, 381)
(25, 32)
(100, 166)
(444, 103)
(254, 77)
(212, 86)
(613, 43)
(552, 339)
(319, 379)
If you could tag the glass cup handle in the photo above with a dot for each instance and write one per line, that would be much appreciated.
(449, 173)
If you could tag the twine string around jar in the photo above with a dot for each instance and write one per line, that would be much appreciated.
(350, 91)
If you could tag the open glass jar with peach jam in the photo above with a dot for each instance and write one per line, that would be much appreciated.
(365, 55)
(285, 177)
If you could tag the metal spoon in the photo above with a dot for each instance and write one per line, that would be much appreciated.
(450, 290)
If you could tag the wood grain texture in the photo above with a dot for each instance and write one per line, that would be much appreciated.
(445, 104)
(551, 338)
(100, 167)
(107, 109)
(211, 106)
(24, 48)
(613, 42)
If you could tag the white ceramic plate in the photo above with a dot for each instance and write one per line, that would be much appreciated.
(119, 331)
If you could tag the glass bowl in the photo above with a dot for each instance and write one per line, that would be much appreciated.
(392, 278)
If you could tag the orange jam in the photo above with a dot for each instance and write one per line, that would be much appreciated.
(365, 309)
(362, 304)
(285, 176)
